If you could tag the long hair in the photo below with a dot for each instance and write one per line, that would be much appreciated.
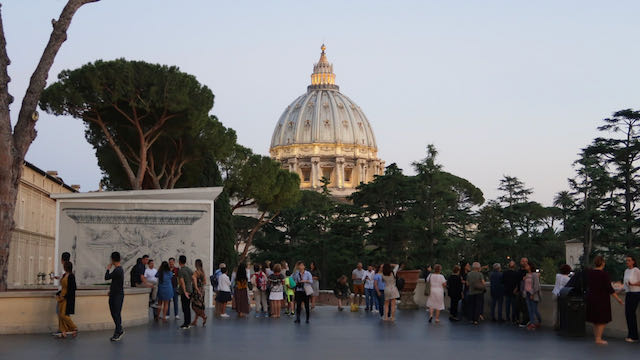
(386, 269)
(241, 273)
(164, 267)
(633, 259)
(313, 266)
(199, 265)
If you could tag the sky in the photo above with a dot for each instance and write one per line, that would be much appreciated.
(499, 87)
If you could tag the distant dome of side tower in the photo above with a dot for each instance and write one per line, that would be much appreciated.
(323, 133)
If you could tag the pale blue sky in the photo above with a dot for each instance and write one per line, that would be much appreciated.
(500, 87)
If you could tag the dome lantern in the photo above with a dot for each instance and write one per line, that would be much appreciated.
(323, 76)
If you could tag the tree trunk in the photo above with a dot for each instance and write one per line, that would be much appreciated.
(14, 144)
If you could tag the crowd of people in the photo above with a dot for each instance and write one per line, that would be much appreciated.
(514, 293)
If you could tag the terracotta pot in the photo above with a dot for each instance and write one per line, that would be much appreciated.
(410, 279)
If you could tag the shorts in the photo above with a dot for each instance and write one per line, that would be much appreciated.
(358, 289)
(223, 296)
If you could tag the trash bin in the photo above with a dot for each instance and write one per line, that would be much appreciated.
(571, 313)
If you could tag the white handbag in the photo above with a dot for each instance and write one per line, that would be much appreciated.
(308, 289)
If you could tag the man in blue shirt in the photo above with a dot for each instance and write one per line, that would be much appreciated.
(378, 285)
(303, 280)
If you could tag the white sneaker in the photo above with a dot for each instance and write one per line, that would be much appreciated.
(224, 316)
(177, 317)
(166, 317)
(374, 311)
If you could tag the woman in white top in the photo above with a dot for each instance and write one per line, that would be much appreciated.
(632, 287)
(435, 301)
(562, 278)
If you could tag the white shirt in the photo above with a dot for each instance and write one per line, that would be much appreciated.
(632, 276)
(150, 275)
(561, 281)
(368, 279)
(224, 283)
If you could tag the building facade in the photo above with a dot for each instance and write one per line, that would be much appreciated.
(324, 134)
(32, 248)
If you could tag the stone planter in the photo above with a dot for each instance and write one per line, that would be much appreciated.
(406, 295)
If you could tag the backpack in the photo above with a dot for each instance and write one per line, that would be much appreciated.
(214, 281)
(261, 281)
(292, 283)
(399, 283)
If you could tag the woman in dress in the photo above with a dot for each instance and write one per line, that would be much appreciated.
(391, 293)
(197, 297)
(599, 290)
(562, 278)
(276, 283)
(67, 302)
(435, 301)
(165, 289)
(241, 291)
(315, 273)
(632, 288)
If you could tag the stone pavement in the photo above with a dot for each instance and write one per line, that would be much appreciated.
(331, 335)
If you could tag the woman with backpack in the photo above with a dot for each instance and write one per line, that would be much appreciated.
(260, 297)
(276, 284)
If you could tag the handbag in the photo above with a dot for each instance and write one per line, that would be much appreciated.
(308, 289)
(427, 286)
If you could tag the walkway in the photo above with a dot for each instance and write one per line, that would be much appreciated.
(331, 335)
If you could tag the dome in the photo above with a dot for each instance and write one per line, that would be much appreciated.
(323, 133)
(323, 115)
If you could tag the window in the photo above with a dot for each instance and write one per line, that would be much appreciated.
(347, 174)
(326, 172)
(306, 174)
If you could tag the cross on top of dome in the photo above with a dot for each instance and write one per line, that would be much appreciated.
(323, 76)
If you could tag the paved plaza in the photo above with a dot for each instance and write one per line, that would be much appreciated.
(331, 335)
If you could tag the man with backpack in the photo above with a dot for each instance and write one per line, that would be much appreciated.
(260, 296)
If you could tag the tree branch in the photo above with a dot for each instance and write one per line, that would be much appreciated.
(24, 132)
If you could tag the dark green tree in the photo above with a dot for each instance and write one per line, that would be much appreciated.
(621, 153)
(149, 119)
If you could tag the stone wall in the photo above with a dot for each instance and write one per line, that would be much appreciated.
(24, 312)
(617, 328)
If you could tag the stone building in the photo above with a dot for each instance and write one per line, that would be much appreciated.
(323, 133)
(33, 240)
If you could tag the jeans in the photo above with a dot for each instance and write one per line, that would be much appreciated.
(510, 307)
(474, 302)
(380, 302)
(496, 302)
(453, 308)
(532, 306)
(631, 303)
(115, 307)
(369, 298)
(522, 309)
(186, 309)
(176, 301)
(302, 297)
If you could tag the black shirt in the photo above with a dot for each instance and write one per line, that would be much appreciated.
(511, 280)
(454, 284)
(117, 281)
(136, 273)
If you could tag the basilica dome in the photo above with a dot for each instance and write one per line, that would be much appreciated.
(323, 133)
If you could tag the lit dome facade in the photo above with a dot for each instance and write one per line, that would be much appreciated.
(323, 133)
